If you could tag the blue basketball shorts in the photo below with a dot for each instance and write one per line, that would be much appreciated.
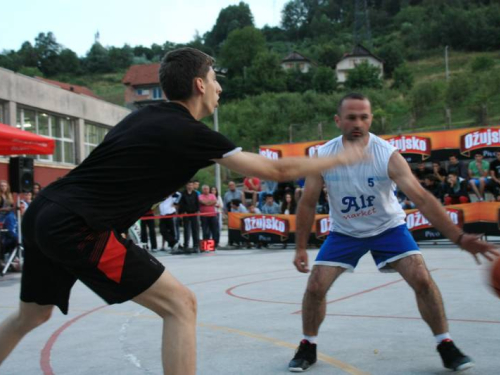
(340, 250)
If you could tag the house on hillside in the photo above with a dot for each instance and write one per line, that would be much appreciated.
(359, 55)
(142, 85)
(297, 61)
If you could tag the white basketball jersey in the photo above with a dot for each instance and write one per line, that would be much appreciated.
(362, 196)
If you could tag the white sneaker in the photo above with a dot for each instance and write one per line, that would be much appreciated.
(175, 247)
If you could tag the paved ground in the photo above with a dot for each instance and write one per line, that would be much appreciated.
(249, 321)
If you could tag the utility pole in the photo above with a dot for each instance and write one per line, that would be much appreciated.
(446, 63)
(320, 130)
(290, 135)
(217, 166)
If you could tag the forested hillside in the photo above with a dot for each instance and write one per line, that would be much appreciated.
(262, 103)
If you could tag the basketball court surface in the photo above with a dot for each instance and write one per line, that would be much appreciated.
(249, 322)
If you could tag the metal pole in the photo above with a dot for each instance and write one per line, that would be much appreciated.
(446, 62)
(217, 166)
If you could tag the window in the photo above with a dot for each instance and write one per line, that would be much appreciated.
(142, 92)
(2, 114)
(60, 128)
(156, 93)
(93, 136)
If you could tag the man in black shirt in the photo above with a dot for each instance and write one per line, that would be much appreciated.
(72, 230)
(495, 176)
(189, 204)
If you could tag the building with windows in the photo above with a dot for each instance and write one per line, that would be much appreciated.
(359, 55)
(142, 85)
(72, 115)
(297, 61)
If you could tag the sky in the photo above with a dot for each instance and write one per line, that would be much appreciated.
(75, 22)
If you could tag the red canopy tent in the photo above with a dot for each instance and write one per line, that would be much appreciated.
(14, 141)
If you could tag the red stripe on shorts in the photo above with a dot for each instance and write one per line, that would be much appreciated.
(113, 259)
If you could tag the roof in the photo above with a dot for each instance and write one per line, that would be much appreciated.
(295, 57)
(70, 87)
(360, 51)
(145, 74)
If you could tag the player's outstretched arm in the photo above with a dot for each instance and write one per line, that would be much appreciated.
(431, 208)
(291, 168)
(306, 211)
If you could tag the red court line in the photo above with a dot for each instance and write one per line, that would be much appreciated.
(230, 291)
(414, 318)
(236, 276)
(45, 355)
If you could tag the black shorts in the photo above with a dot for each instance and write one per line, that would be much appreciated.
(60, 248)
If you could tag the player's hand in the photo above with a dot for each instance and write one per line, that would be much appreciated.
(474, 245)
(301, 261)
(353, 153)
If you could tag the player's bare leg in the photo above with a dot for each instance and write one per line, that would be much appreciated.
(314, 301)
(18, 324)
(430, 303)
(176, 305)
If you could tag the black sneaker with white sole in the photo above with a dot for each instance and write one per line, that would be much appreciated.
(304, 358)
(452, 357)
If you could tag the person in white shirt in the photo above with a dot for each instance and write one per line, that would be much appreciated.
(366, 216)
(167, 225)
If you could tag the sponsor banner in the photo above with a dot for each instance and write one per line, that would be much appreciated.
(415, 220)
(415, 146)
(412, 144)
(311, 150)
(322, 226)
(270, 153)
(272, 224)
(479, 139)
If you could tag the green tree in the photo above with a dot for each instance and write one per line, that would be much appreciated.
(30, 71)
(240, 49)
(97, 59)
(329, 55)
(403, 78)
(392, 55)
(69, 62)
(48, 50)
(459, 89)
(324, 80)
(426, 95)
(482, 63)
(120, 58)
(230, 18)
(364, 75)
(28, 55)
(265, 74)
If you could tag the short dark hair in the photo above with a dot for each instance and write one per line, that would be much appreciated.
(352, 95)
(235, 202)
(178, 69)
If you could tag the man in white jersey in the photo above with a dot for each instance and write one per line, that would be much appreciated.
(366, 216)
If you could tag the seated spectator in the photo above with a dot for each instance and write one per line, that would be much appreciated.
(455, 191)
(404, 201)
(232, 193)
(299, 189)
(270, 206)
(478, 174)
(433, 186)
(323, 207)
(268, 187)
(251, 187)
(288, 206)
(494, 183)
(439, 172)
(282, 189)
(237, 206)
(455, 166)
(252, 209)
(421, 171)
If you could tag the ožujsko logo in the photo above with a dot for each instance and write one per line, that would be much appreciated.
(416, 221)
(322, 227)
(312, 150)
(270, 153)
(412, 144)
(265, 223)
(481, 138)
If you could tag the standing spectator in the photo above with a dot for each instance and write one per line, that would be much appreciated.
(6, 200)
(495, 176)
(36, 189)
(270, 206)
(219, 207)
(433, 186)
(148, 226)
(439, 172)
(456, 166)
(189, 204)
(288, 206)
(268, 187)
(421, 171)
(28, 197)
(404, 201)
(251, 187)
(196, 186)
(10, 236)
(478, 174)
(209, 225)
(455, 190)
(167, 224)
(232, 193)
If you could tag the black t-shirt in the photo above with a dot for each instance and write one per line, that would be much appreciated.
(495, 166)
(141, 161)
